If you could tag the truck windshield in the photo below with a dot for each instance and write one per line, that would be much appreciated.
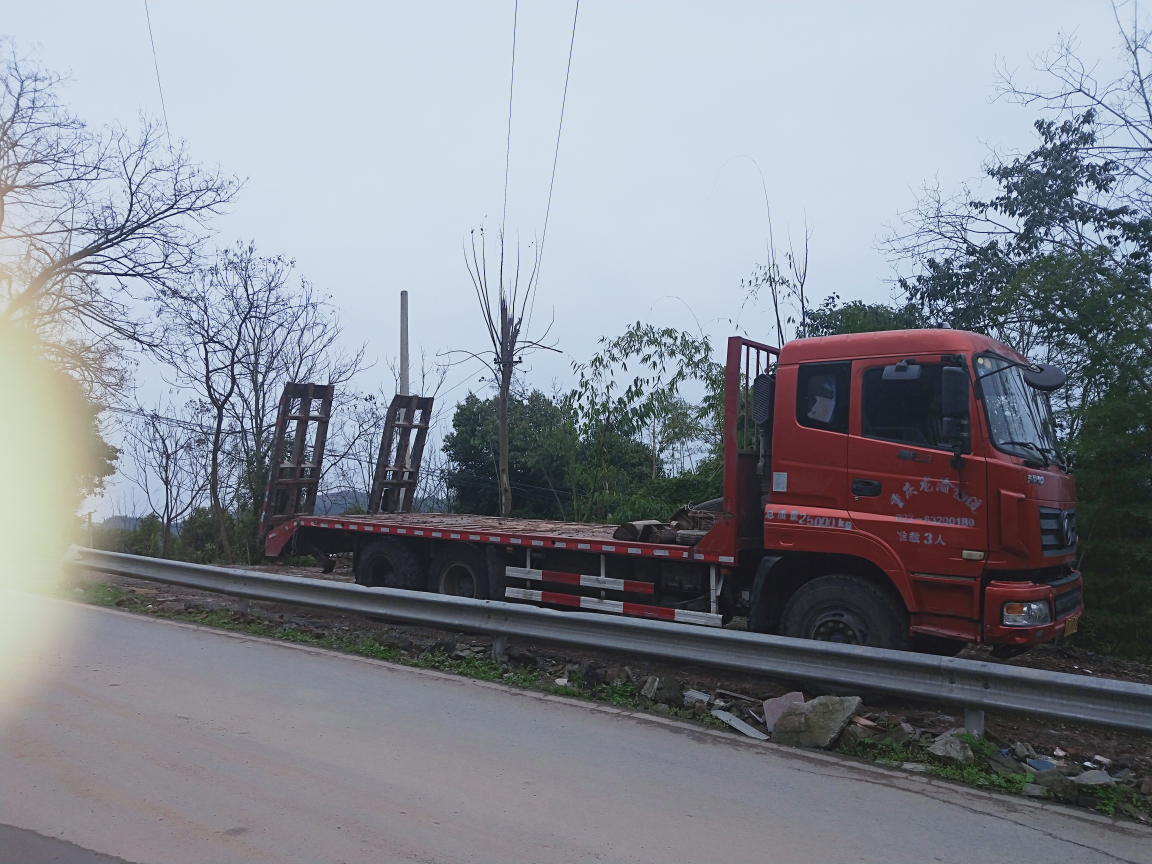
(1019, 417)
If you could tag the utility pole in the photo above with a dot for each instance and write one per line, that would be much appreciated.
(403, 343)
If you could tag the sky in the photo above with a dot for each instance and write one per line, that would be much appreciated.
(372, 138)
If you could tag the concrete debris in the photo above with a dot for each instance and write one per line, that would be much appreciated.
(915, 767)
(648, 691)
(693, 696)
(665, 691)
(1058, 753)
(1100, 760)
(1057, 785)
(739, 725)
(814, 724)
(1095, 777)
(951, 750)
(1146, 786)
(900, 734)
(773, 708)
(1005, 765)
(1023, 750)
(1031, 790)
(561, 682)
(616, 675)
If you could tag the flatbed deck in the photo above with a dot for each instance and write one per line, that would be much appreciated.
(581, 536)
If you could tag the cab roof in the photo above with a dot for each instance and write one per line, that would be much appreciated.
(886, 343)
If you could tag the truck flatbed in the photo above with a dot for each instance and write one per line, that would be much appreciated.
(580, 536)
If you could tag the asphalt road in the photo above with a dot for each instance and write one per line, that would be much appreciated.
(160, 742)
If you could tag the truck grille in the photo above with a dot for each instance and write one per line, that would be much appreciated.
(1068, 602)
(1057, 531)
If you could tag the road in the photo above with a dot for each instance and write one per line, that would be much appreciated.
(160, 742)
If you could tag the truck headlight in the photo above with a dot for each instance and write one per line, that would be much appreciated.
(1026, 614)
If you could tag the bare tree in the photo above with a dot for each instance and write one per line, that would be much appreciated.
(205, 322)
(293, 335)
(504, 307)
(90, 222)
(1121, 108)
(168, 450)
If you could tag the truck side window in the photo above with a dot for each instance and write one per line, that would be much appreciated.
(907, 411)
(822, 396)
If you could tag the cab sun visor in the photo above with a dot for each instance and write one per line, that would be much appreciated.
(905, 370)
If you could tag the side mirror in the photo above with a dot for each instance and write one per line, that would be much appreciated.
(954, 399)
(1044, 378)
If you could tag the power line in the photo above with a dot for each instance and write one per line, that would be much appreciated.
(556, 155)
(555, 159)
(508, 148)
(156, 66)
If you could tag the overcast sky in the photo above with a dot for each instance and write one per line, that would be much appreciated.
(372, 137)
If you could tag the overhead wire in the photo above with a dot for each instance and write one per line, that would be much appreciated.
(508, 146)
(156, 66)
(555, 158)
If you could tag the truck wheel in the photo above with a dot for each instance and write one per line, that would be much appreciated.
(388, 564)
(461, 570)
(845, 609)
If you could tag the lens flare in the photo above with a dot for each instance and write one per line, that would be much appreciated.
(42, 449)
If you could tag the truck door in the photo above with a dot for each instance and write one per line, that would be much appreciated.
(902, 487)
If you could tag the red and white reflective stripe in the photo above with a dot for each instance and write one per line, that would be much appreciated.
(581, 579)
(617, 607)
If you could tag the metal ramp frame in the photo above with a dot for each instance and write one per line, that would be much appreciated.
(294, 478)
(398, 465)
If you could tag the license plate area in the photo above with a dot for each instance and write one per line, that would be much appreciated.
(1071, 625)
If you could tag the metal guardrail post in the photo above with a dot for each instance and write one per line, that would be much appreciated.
(972, 685)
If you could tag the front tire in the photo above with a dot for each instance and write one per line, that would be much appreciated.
(386, 563)
(459, 570)
(845, 609)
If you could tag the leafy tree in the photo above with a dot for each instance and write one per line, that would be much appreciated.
(1057, 263)
(832, 317)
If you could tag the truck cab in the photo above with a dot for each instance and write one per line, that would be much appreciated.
(912, 494)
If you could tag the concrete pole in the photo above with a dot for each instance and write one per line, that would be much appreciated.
(403, 343)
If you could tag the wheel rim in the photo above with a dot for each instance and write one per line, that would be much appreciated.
(839, 625)
(458, 581)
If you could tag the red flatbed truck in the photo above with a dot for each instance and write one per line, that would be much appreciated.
(899, 489)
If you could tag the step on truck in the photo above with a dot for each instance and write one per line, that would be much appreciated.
(899, 489)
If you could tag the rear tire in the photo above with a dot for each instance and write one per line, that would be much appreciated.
(388, 564)
(845, 609)
(459, 570)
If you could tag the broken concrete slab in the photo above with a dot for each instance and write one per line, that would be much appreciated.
(773, 708)
(1031, 790)
(1092, 778)
(952, 750)
(814, 724)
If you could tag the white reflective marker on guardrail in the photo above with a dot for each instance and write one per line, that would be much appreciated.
(971, 684)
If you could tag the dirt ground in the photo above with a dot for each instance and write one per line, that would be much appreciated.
(1079, 742)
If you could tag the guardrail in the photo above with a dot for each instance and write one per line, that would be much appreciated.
(971, 684)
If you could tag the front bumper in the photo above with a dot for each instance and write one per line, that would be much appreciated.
(1065, 599)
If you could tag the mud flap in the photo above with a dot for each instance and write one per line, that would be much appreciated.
(760, 617)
